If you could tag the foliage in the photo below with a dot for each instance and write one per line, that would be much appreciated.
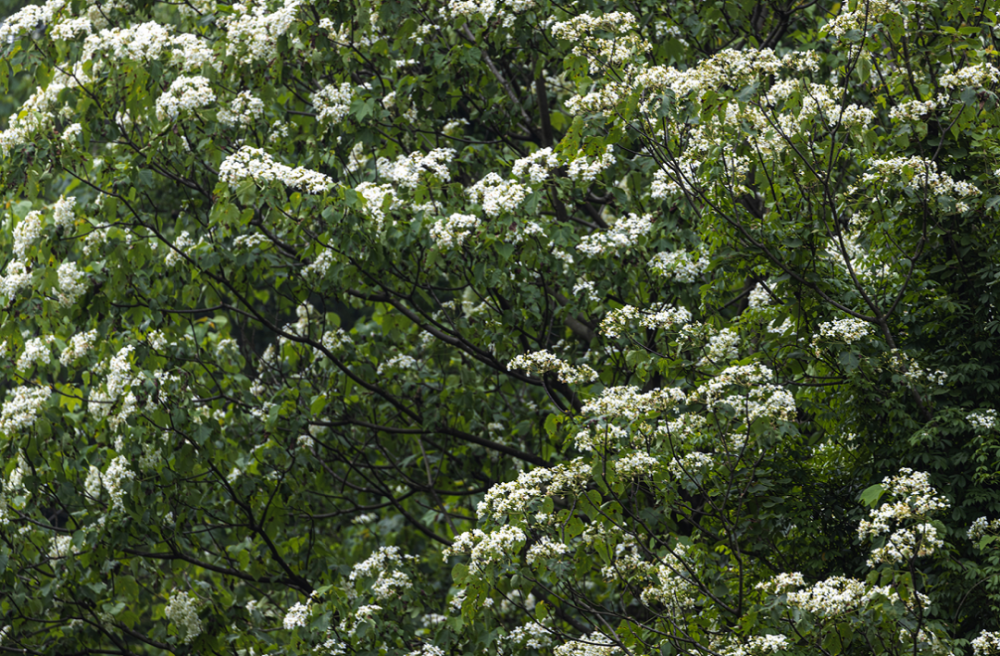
(475, 326)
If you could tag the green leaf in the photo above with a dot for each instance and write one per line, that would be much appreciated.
(871, 495)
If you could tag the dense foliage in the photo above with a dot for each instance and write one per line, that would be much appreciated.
(500, 326)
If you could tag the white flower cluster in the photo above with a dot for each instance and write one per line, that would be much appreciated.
(332, 102)
(623, 235)
(182, 612)
(375, 196)
(627, 402)
(913, 371)
(595, 644)
(681, 266)
(542, 361)
(147, 42)
(487, 548)
(62, 212)
(915, 501)
(976, 75)
(497, 195)
(762, 399)
(120, 374)
(986, 644)
(536, 166)
(727, 68)
(918, 173)
(20, 408)
(756, 645)
(297, 615)
(983, 421)
(255, 164)
(514, 497)
(836, 596)
(36, 349)
(452, 231)
(623, 46)
(687, 468)
(256, 31)
(406, 169)
(545, 549)
(981, 526)
(504, 11)
(17, 278)
(584, 170)
(29, 18)
(636, 464)
(915, 110)
(722, 347)
(112, 478)
(61, 546)
(72, 283)
(26, 232)
(397, 363)
(185, 94)
(70, 28)
(37, 114)
(782, 582)
(383, 566)
(848, 330)
(759, 297)
(244, 109)
(867, 14)
(618, 321)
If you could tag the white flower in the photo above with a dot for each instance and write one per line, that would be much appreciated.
(61, 546)
(297, 616)
(983, 421)
(332, 102)
(586, 170)
(622, 235)
(62, 209)
(497, 195)
(251, 29)
(26, 232)
(18, 277)
(541, 362)
(185, 94)
(36, 349)
(72, 283)
(406, 169)
(117, 472)
(254, 164)
(243, 110)
(536, 166)
(20, 408)
(679, 265)
(375, 201)
(986, 644)
(182, 612)
(849, 330)
(452, 232)
(385, 567)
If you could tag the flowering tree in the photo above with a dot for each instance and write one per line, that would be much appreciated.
(463, 326)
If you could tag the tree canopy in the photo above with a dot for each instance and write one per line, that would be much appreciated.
(446, 327)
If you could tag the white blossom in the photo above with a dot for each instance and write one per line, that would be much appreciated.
(20, 408)
(185, 94)
(332, 102)
(497, 195)
(255, 164)
(72, 283)
(182, 612)
(541, 362)
(244, 109)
